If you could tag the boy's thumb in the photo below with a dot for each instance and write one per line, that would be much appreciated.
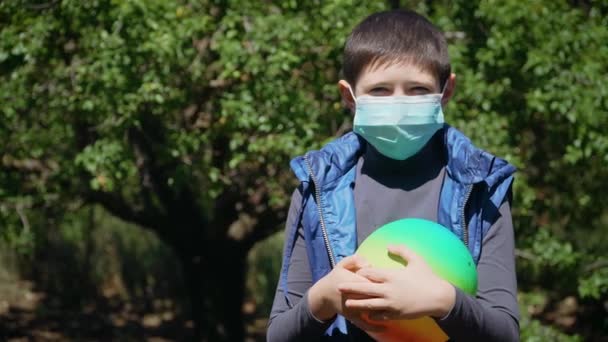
(401, 250)
(353, 262)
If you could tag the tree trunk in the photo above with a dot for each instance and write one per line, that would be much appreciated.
(216, 284)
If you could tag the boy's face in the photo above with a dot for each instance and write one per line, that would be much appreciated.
(394, 80)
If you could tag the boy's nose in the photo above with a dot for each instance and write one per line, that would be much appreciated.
(398, 91)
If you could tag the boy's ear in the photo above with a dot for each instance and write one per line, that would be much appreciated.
(449, 89)
(347, 97)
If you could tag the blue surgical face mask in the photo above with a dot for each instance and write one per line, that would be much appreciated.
(398, 126)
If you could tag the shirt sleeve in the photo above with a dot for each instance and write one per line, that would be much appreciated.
(295, 322)
(493, 314)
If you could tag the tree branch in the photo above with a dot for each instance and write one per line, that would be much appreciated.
(145, 176)
(24, 221)
(243, 220)
(29, 165)
(176, 201)
(43, 6)
(601, 263)
(151, 176)
(525, 255)
(118, 207)
(267, 218)
(267, 222)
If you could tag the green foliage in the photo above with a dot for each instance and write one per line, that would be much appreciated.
(554, 254)
(148, 101)
(18, 228)
(594, 285)
(108, 161)
(531, 88)
(216, 89)
(264, 267)
(533, 331)
(19, 239)
(108, 257)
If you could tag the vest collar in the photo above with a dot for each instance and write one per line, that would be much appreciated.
(467, 164)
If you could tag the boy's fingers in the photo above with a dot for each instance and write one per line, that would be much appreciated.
(347, 261)
(374, 274)
(353, 263)
(407, 254)
(367, 304)
(384, 315)
(368, 289)
(361, 261)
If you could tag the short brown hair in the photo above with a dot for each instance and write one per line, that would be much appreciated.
(396, 36)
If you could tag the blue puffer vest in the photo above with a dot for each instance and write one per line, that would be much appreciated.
(475, 186)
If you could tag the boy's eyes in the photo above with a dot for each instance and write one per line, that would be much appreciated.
(420, 91)
(382, 91)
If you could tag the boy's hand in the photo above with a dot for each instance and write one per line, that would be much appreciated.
(324, 298)
(409, 292)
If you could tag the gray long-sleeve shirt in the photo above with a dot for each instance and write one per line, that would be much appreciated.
(387, 190)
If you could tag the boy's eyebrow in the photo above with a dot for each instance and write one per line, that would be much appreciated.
(423, 84)
(378, 84)
(390, 84)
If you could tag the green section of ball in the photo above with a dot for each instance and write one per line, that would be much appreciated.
(447, 255)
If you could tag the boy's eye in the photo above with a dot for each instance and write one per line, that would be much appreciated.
(420, 91)
(379, 91)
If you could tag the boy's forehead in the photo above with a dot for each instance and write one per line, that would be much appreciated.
(396, 72)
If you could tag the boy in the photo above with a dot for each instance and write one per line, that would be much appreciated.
(400, 161)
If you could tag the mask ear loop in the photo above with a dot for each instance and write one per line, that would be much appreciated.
(445, 86)
(352, 94)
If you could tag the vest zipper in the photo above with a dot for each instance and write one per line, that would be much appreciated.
(465, 226)
(320, 208)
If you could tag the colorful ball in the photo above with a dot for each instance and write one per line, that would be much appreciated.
(443, 251)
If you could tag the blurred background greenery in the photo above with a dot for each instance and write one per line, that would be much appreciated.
(144, 173)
